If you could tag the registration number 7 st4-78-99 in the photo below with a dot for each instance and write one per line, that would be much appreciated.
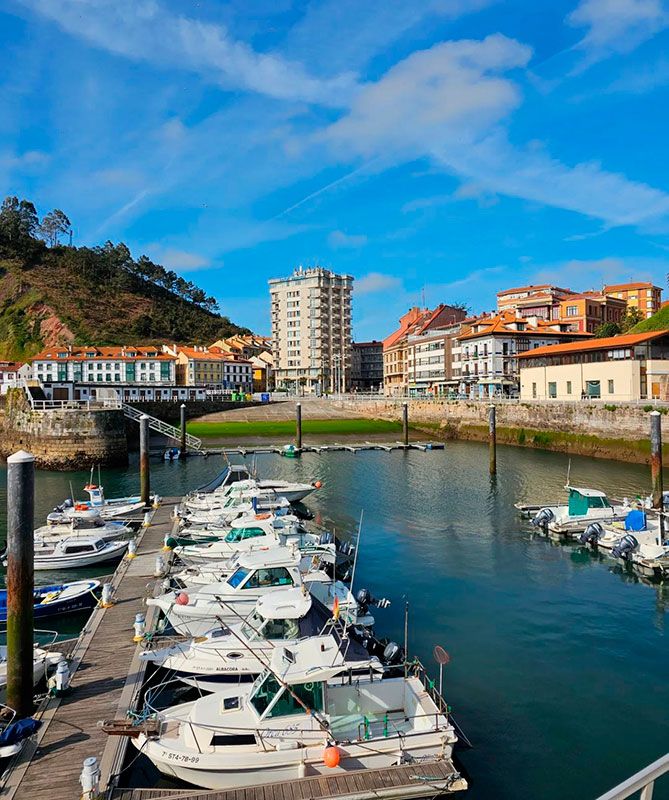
(181, 757)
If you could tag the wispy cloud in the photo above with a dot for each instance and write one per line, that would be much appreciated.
(340, 240)
(181, 260)
(375, 282)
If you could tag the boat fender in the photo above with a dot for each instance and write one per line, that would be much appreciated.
(331, 756)
(263, 516)
(592, 534)
(543, 517)
(182, 599)
(317, 484)
(80, 507)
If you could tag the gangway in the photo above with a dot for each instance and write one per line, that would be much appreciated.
(192, 442)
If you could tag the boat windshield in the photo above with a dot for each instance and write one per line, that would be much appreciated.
(240, 534)
(252, 629)
(268, 690)
(237, 577)
(259, 628)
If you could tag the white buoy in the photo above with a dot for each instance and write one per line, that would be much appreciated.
(140, 627)
(90, 779)
(132, 549)
(106, 601)
(159, 570)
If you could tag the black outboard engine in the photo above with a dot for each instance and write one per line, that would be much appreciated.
(543, 517)
(67, 503)
(365, 600)
(327, 537)
(625, 546)
(592, 534)
(345, 548)
(393, 653)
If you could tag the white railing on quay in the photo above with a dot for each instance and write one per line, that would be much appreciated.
(643, 782)
(73, 405)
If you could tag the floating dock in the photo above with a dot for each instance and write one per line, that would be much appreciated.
(107, 680)
(258, 449)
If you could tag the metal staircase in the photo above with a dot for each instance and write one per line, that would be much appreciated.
(162, 427)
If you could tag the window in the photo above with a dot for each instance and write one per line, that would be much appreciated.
(568, 387)
(269, 691)
(593, 389)
(272, 576)
(237, 577)
(572, 311)
(239, 534)
(552, 389)
(611, 390)
(534, 390)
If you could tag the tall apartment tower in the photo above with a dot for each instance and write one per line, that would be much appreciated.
(311, 330)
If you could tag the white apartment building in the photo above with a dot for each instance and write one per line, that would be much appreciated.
(12, 375)
(132, 364)
(311, 330)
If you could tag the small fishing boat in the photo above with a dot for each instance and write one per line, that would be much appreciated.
(172, 454)
(583, 507)
(235, 508)
(57, 599)
(234, 473)
(103, 506)
(290, 451)
(60, 526)
(259, 573)
(302, 716)
(76, 551)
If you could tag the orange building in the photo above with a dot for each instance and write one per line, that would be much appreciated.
(642, 295)
(540, 300)
(587, 311)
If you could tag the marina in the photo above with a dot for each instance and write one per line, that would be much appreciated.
(406, 522)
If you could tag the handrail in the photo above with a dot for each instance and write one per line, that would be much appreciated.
(642, 781)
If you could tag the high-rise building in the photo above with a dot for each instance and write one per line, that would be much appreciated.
(367, 366)
(311, 330)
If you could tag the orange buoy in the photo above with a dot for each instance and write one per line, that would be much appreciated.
(182, 599)
(318, 484)
(331, 756)
(263, 516)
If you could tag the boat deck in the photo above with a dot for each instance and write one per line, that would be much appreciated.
(425, 779)
(106, 679)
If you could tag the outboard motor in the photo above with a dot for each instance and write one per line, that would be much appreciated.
(592, 534)
(67, 503)
(393, 653)
(365, 600)
(625, 546)
(327, 537)
(345, 548)
(543, 517)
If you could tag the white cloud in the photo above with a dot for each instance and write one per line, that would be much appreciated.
(144, 30)
(616, 26)
(586, 274)
(183, 261)
(376, 282)
(339, 240)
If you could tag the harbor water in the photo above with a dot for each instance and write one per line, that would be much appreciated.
(558, 658)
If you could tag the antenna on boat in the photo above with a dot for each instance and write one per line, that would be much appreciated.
(99, 477)
(71, 493)
(355, 563)
(568, 473)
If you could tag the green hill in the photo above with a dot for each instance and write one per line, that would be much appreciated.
(658, 322)
(52, 294)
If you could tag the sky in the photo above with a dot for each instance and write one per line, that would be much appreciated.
(439, 150)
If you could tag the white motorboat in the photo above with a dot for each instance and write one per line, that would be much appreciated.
(42, 661)
(104, 529)
(259, 573)
(583, 507)
(235, 473)
(233, 509)
(249, 735)
(98, 504)
(76, 551)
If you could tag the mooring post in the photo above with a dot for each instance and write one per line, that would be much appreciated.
(656, 457)
(405, 424)
(144, 477)
(20, 581)
(298, 426)
(492, 438)
(183, 430)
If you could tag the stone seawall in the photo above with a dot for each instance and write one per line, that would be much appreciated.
(64, 439)
(618, 432)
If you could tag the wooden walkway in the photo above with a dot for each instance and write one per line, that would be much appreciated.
(106, 676)
(425, 779)
(337, 447)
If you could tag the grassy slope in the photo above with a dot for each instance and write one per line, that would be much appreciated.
(286, 428)
(658, 322)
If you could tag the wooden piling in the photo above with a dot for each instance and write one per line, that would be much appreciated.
(492, 437)
(656, 458)
(20, 581)
(298, 426)
(183, 430)
(144, 476)
(405, 424)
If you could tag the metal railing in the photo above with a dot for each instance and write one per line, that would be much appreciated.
(73, 405)
(161, 427)
(643, 782)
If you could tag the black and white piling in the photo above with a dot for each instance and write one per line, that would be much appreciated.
(405, 424)
(144, 475)
(298, 426)
(20, 581)
(656, 458)
(492, 438)
(182, 429)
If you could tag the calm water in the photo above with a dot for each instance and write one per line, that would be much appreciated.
(558, 660)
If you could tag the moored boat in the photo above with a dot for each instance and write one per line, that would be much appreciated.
(76, 551)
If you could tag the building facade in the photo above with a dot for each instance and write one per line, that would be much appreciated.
(212, 368)
(12, 374)
(311, 330)
(430, 361)
(487, 363)
(141, 364)
(541, 301)
(642, 295)
(587, 311)
(367, 366)
(624, 368)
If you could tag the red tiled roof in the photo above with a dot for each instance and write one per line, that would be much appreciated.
(500, 325)
(532, 286)
(11, 365)
(621, 287)
(624, 340)
(104, 352)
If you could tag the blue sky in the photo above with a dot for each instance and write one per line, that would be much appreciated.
(447, 147)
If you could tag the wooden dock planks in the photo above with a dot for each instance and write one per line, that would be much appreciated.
(103, 656)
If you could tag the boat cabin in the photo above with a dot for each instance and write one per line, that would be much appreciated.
(72, 547)
(583, 501)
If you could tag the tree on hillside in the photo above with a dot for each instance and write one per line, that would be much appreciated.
(632, 318)
(607, 329)
(18, 225)
(54, 225)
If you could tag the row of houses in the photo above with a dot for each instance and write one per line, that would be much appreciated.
(443, 352)
(241, 364)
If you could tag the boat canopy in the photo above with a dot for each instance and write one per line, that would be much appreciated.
(582, 500)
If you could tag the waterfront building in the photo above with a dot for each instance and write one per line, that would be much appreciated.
(625, 368)
(367, 366)
(415, 322)
(311, 330)
(211, 367)
(488, 350)
(642, 295)
(585, 312)
(263, 371)
(12, 374)
(244, 345)
(431, 362)
(541, 301)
